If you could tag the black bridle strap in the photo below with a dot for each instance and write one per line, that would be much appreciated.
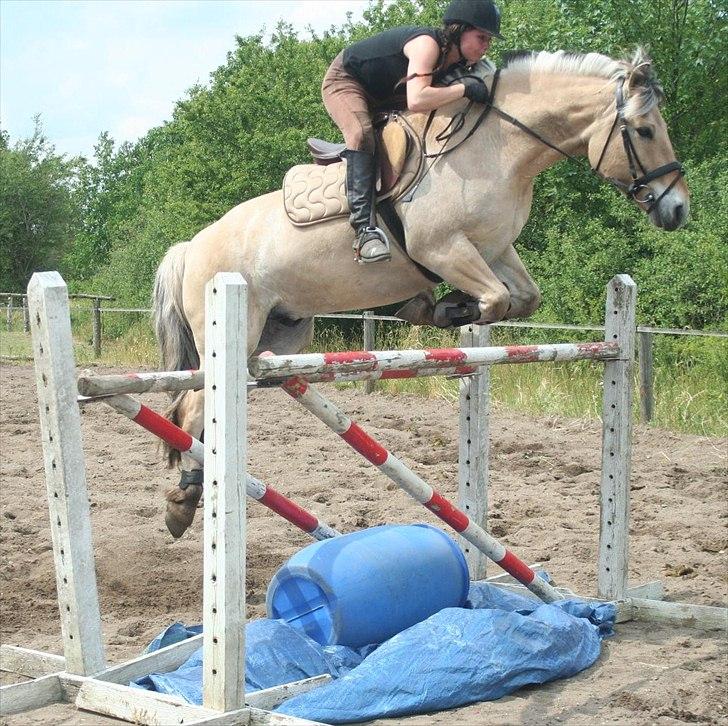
(638, 182)
(606, 143)
(447, 133)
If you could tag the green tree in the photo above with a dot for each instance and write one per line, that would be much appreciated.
(38, 214)
(108, 193)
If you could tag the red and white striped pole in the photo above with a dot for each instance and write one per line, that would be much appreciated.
(179, 439)
(386, 364)
(406, 479)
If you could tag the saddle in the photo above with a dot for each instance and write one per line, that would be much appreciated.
(316, 192)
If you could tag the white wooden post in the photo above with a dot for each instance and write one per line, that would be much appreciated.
(26, 315)
(10, 313)
(223, 680)
(474, 446)
(65, 472)
(617, 439)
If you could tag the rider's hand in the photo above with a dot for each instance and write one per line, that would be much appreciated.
(475, 90)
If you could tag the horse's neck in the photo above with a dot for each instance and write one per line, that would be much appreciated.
(561, 108)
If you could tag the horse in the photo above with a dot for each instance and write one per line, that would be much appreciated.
(461, 222)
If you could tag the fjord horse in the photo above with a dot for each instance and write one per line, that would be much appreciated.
(461, 222)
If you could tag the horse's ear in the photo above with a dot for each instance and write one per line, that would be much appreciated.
(642, 73)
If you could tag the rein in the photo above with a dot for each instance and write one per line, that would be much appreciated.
(634, 190)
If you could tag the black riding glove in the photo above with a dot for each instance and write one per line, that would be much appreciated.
(475, 90)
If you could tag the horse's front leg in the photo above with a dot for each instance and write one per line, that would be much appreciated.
(183, 498)
(525, 296)
(461, 265)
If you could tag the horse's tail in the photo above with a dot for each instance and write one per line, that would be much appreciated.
(174, 335)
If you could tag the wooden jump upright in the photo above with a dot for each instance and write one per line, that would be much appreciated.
(81, 674)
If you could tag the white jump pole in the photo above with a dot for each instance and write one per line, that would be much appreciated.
(65, 472)
(223, 668)
(151, 382)
(387, 364)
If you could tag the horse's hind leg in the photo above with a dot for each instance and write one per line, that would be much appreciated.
(183, 498)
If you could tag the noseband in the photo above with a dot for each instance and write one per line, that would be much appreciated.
(639, 184)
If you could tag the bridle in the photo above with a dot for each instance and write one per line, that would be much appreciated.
(639, 183)
(639, 189)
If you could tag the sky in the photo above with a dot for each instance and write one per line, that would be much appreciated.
(88, 66)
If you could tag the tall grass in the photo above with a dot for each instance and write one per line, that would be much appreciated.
(691, 375)
(127, 340)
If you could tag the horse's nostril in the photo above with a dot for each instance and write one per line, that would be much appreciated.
(679, 213)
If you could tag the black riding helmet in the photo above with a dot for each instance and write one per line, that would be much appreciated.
(482, 14)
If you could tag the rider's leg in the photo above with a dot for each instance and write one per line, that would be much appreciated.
(372, 244)
(348, 105)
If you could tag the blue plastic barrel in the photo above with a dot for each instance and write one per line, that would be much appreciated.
(367, 586)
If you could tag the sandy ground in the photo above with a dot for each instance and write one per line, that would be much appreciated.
(544, 504)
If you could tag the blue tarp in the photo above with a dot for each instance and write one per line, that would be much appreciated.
(500, 642)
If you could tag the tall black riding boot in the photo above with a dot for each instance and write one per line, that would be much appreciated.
(371, 243)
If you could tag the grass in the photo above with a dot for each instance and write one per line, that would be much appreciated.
(127, 342)
(691, 390)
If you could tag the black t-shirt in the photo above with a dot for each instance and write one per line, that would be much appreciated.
(379, 63)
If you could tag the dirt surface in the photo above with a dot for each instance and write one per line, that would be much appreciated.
(544, 505)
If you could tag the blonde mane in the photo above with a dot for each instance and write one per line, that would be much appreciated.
(642, 89)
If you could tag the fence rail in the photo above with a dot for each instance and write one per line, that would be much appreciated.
(369, 321)
(96, 311)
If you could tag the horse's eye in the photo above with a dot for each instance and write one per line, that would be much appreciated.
(645, 132)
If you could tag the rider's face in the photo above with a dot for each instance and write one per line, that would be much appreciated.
(474, 44)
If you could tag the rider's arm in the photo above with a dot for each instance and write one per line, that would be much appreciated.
(423, 54)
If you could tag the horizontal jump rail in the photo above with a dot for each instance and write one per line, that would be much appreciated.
(109, 385)
(182, 441)
(418, 489)
(366, 365)
(354, 366)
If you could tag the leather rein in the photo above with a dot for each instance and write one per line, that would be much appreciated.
(639, 189)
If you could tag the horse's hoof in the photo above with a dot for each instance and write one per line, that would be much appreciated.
(418, 310)
(181, 506)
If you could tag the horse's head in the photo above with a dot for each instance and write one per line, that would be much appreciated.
(632, 147)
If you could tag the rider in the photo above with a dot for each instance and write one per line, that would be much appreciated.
(398, 69)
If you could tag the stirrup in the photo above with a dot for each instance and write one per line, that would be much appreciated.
(371, 234)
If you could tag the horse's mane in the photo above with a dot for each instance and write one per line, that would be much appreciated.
(645, 91)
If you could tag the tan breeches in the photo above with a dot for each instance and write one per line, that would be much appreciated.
(349, 106)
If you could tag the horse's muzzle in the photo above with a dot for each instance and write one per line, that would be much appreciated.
(670, 215)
